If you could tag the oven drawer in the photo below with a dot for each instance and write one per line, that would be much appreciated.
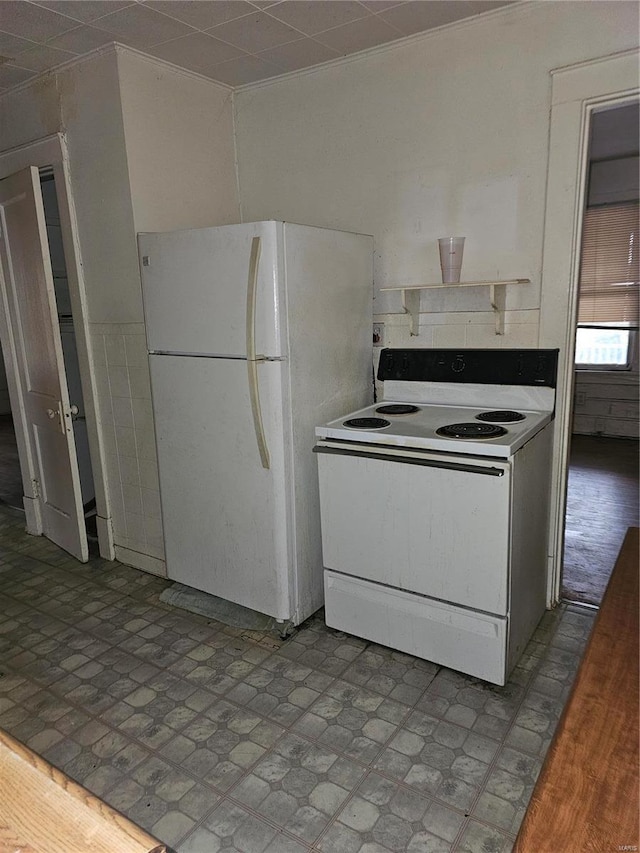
(469, 642)
(434, 524)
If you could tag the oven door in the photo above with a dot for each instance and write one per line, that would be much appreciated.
(435, 524)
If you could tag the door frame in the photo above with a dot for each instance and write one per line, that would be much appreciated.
(52, 151)
(577, 92)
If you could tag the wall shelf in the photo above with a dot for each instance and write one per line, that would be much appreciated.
(497, 295)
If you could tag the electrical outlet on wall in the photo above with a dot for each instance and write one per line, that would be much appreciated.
(378, 334)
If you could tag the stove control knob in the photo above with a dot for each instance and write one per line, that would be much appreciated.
(458, 364)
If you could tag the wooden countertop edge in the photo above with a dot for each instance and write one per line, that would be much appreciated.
(599, 724)
(32, 791)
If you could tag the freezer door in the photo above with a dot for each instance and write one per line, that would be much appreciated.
(225, 516)
(196, 288)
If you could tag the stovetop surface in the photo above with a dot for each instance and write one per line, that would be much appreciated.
(452, 387)
(418, 430)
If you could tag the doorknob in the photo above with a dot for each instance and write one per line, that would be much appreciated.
(74, 410)
(57, 413)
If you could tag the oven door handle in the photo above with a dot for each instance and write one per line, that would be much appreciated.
(412, 460)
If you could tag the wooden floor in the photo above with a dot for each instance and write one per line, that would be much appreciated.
(586, 798)
(602, 502)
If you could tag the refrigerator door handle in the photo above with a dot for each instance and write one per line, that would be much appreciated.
(252, 362)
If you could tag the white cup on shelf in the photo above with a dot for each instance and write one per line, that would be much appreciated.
(451, 249)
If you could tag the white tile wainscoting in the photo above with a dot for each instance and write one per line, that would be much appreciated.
(126, 422)
(461, 329)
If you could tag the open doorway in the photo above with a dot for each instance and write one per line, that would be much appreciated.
(602, 489)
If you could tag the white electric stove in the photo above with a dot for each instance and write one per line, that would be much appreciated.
(435, 506)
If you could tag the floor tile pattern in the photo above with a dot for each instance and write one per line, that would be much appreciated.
(216, 739)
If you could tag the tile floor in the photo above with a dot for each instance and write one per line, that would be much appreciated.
(214, 739)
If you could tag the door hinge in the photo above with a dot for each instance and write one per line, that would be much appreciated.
(35, 487)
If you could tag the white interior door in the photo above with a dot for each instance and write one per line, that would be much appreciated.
(40, 382)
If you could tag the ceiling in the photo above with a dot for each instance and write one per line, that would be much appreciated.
(231, 41)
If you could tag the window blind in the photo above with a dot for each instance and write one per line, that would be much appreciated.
(609, 267)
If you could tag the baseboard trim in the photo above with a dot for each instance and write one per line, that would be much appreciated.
(145, 562)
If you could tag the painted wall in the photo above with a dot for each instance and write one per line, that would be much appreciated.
(180, 150)
(178, 143)
(613, 181)
(444, 134)
(84, 101)
(150, 147)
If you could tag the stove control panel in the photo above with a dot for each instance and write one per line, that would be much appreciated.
(482, 366)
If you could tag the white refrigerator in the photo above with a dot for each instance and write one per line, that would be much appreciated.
(256, 333)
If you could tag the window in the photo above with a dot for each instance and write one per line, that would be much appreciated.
(609, 286)
(603, 347)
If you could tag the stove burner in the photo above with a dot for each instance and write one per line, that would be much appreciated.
(397, 409)
(366, 423)
(471, 431)
(501, 417)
